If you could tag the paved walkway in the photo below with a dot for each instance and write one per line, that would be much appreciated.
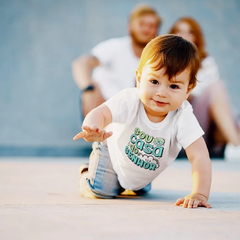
(39, 200)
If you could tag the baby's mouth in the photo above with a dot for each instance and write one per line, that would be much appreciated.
(159, 103)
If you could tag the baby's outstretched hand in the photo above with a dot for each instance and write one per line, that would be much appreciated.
(93, 134)
(193, 201)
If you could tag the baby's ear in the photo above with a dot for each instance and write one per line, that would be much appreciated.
(191, 87)
(138, 77)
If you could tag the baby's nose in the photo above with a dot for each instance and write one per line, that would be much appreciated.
(161, 91)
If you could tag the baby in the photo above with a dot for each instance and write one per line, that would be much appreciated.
(139, 132)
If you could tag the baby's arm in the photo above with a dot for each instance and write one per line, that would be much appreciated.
(94, 123)
(198, 155)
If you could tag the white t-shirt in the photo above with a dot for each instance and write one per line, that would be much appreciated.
(117, 65)
(140, 149)
(207, 74)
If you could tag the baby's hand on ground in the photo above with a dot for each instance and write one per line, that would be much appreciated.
(193, 200)
(93, 134)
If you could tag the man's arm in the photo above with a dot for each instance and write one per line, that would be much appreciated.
(198, 156)
(82, 70)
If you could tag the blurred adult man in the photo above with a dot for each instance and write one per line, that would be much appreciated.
(114, 61)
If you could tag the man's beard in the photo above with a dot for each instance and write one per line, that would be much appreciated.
(137, 41)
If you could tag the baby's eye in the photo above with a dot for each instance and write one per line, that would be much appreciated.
(174, 86)
(154, 82)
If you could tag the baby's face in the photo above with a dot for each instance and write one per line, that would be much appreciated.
(159, 95)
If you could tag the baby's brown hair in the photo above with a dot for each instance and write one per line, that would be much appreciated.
(174, 54)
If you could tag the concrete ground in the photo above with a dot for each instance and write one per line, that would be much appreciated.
(39, 200)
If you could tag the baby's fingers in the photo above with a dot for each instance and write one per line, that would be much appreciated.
(192, 204)
(205, 204)
(179, 201)
(197, 203)
(86, 128)
(183, 201)
(107, 135)
(79, 135)
(93, 129)
(186, 202)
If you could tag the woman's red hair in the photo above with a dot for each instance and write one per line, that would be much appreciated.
(196, 30)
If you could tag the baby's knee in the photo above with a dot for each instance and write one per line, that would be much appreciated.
(88, 190)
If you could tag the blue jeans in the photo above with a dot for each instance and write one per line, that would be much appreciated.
(101, 181)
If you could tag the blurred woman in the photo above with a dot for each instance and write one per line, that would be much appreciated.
(209, 99)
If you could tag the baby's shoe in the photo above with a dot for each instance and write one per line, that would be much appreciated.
(83, 168)
(83, 185)
(232, 153)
